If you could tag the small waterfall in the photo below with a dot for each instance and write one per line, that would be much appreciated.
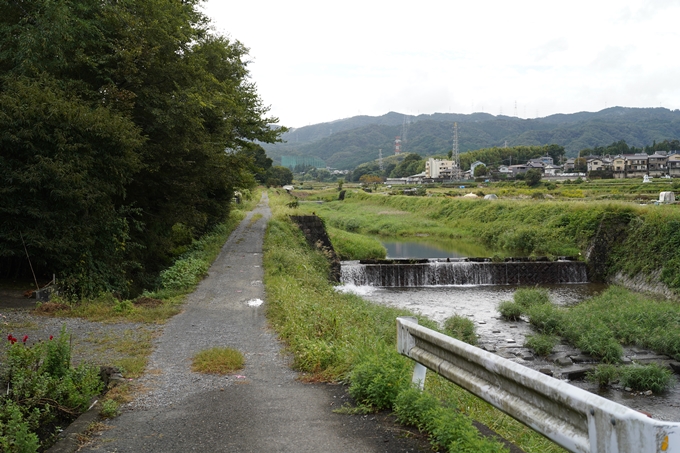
(441, 273)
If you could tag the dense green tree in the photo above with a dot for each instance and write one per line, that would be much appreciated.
(411, 165)
(480, 170)
(139, 102)
(260, 162)
(532, 177)
(279, 176)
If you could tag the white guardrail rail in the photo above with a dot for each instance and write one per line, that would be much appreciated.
(577, 420)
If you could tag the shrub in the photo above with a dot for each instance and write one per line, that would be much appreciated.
(510, 310)
(183, 274)
(546, 318)
(412, 406)
(599, 341)
(109, 409)
(461, 328)
(530, 297)
(42, 390)
(542, 344)
(377, 380)
(603, 374)
(646, 377)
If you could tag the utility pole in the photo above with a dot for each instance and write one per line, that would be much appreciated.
(380, 161)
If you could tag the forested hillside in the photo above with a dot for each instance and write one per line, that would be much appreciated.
(125, 128)
(350, 142)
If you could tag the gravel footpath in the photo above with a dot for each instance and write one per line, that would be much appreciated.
(263, 408)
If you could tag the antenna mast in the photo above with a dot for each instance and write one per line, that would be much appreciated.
(380, 161)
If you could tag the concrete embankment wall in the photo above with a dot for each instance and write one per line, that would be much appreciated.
(315, 232)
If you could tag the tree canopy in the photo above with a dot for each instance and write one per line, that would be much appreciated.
(118, 120)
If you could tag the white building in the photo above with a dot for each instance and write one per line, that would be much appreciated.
(435, 168)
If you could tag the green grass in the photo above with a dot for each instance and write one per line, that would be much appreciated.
(353, 246)
(341, 337)
(461, 328)
(218, 360)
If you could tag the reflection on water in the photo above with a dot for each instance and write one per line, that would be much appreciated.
(432, 248)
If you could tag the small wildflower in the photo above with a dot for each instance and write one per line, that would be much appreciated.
(25, 338)
(51, 337)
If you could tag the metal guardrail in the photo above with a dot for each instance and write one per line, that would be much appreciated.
(577, 420)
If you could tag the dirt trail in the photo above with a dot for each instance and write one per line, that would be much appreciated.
(263, 408)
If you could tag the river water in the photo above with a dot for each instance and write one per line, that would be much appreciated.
(506, 338)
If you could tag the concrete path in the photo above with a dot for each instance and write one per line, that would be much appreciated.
(263, 408)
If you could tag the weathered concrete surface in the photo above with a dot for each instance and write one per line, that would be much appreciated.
(265, 409)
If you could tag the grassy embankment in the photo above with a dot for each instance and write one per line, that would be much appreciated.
(646, 242)
(335, 336)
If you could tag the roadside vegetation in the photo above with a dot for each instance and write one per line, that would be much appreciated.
(341, 337)
(41, 392)
(45, 392)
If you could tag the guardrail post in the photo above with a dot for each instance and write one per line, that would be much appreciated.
(406, 343)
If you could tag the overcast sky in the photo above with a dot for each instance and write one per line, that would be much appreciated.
(316, 61)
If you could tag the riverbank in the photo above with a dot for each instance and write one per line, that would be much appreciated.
(626, 241)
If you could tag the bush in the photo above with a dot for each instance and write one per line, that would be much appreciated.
(530, 297)
(184, 274)
(599, 341)
(546, 318)
(646, 377)
(510, 310)
(461, 328)
(377, 380)
(541, 344)
(603, 374)
(412, 406)
(42, 390)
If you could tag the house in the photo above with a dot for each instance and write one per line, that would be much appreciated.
(657, 164)
(599, 164)
(569, 165)
(551, 170)
(517, 169)
(636, 164)
(504, 169)
(673, 163)
(545, 160)
(436, 168)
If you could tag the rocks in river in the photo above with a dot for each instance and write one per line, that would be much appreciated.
(582, 358)
(560, 358)
(576, 374)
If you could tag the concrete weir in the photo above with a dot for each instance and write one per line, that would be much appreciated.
(414, 273)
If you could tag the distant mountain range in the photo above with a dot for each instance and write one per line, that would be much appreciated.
(346, 143)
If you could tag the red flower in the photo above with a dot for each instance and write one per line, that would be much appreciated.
(11, 339)
(51, 337)
(25, 338)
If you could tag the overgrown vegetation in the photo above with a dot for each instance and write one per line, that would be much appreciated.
(115, 117)
(461, 328)
(335, 336)
(600, 325)
(651, 377)
(43, 392)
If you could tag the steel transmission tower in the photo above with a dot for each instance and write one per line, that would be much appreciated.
(455, 157)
